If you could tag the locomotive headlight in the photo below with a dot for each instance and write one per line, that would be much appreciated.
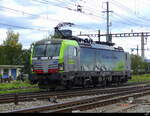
(61, 66)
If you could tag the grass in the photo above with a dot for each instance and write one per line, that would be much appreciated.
(18, 85)
(15, 84)
(140, 78)
(19, 91)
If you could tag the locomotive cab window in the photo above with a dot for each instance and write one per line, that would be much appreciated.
(47, 50)
(52, 50)
(39, 50)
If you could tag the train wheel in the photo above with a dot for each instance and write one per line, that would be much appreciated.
(119, 81)
(69, 85)
(118, 84)
(41, 87)
(86, 84)
(104, 83)
(94, 85)
(52, 89)
(94, 81)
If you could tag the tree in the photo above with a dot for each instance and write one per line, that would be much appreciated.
(24, 59)
(12, 40)
(11, 48)
(137, 64)
(2, 55)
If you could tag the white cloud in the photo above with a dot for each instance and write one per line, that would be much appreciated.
(132, 15)
(2, 35)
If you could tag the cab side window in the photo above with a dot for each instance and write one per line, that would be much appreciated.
(75, 51)
(72, 51)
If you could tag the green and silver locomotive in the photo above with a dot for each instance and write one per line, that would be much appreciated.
(77, 62)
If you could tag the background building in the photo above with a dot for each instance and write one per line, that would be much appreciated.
(10, 70)
(148, 61)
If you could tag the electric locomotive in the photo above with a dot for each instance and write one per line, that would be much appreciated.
(78, 62)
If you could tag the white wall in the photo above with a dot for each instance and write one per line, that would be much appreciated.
(1, 71)
(9, 71)
(17, 72)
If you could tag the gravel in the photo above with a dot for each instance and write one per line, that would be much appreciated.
(22, 105)
(140, 105)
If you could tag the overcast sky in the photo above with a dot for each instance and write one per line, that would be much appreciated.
(35, 19)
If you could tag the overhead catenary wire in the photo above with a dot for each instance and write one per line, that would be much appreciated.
(27, 13)
(127, 20)
(31, 15)
(23, 12)
(47, 2)
(68, 8)
(89, 8)
(132, 20)
(130, 12)
(22, 27)
(119, 20)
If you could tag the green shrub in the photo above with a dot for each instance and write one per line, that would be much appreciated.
(140, 78)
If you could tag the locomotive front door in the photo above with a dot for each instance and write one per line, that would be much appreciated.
(71, 59)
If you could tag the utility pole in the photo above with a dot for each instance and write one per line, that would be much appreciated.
(142, 46)
(99, 33)
(108, 39)
(137, 50)
(108, 22)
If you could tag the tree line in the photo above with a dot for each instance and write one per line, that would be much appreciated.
(138, 65)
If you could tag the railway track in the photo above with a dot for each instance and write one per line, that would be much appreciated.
(89, 103)
(21, 97)
(30, 96)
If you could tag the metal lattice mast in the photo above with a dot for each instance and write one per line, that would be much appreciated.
(108, 39)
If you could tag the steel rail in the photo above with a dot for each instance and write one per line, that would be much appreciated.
(89, 103)
(31, 93)
(30, 97)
